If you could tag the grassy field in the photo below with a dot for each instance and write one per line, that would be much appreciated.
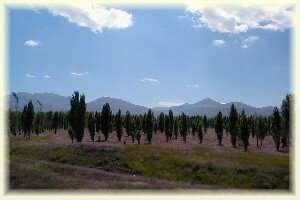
(51, 161)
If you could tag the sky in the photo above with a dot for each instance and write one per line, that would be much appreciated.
(153, 57)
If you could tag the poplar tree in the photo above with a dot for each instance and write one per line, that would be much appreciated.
(167, 127)
(149, 125)
(161, 122)
(285, 113)
(205, 123)
(219, 127)
(183, 126)
(106, 118)
(244, 130)
(128, 123)
(92, 125)
(118, 124)
(276, 127)
(233, 125)
(27, 118)
(98, 121)
(200, 132)
(176, 128)
(171, 116)
(55, 122)
(77, 115)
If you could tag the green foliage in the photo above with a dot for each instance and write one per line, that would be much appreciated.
(27, 118)
(155, 127)
(244, 130)
(171, 116)
(205, 123)
(77, 115)
(286, 106)
(55, 122)
(200, 132)
(98, 121)
(128, 123)
(149, 125)
(92, 125)
(233, 125)
(183, 126)
(38, 123)
(138, 136)
(118, 125)
(261, 129)
(176, 128)
(106, 119)
(167, 127)
(219, 127)
(161, 122)
(276, 127)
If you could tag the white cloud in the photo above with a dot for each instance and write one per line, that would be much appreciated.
(218, 43)
(193, 86)
(78, 74)
(244, 46)
(148, 80)
(251, 39)
(238, 19)
(169, 104)
(94, 17)
(47, 76)
(32, 43)
(29, 76)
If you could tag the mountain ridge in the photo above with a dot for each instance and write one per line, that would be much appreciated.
(206, 106)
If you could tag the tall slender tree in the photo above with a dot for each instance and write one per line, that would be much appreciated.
(118, 124)
(27, 118)
(98, 121)
(176, 128)
(167, 127)
(183, 126)
(200, 132)
(128, 123)
(92, 125)
(244, 129)
(205, 123)
(77, 115)
(219, 127)
(106, 118)
(55, 122)
(161, 122)
(171, 116)
(149, 125)
(285, 113)
(233, 125)
(276, 127)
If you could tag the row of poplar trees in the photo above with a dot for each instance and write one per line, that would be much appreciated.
(238, 125)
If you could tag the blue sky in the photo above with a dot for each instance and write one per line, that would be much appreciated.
(153, 57)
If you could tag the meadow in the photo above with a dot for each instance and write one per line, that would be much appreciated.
(52, 161)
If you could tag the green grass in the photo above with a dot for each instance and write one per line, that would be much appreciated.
(242, 171)
(105, 158)
(35, 164)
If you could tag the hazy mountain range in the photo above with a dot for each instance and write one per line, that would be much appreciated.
(206, 106)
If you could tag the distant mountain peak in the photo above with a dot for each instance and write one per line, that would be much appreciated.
(206, 106)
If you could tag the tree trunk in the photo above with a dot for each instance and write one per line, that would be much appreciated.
(257, 142)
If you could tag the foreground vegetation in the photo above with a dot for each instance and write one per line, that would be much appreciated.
(50, 161)
(42, 163)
